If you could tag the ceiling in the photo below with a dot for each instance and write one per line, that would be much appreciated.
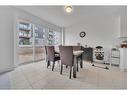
(57, 15)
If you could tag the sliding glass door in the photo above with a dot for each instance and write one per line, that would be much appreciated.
(25, 34)
(32, 39)
(39, 42)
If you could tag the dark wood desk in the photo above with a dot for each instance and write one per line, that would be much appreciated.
(87, 54)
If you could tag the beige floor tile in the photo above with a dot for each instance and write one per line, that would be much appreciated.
(20, 85)
(37, 76)
(88, 86)
(34, 79)
(39, 84)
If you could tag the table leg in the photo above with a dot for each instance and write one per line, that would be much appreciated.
(81, 62)
(74, 67)
(48, 63)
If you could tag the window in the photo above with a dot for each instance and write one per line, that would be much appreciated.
(54, 37)
(33, 38)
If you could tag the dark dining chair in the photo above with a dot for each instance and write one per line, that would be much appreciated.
(51, 56)
(66, 57)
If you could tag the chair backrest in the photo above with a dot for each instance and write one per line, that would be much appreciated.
(50, 53)
(66, 55)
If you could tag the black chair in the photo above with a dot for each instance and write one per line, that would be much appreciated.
(67, 58)
(51, 56)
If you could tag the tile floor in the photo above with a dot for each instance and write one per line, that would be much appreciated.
(37, 76)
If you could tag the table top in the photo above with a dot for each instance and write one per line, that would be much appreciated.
(77, 52)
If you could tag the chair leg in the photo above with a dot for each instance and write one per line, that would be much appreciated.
(53, 66)
(48, 63)
(61, 69)
(70, 71)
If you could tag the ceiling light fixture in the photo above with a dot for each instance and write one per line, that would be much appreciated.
(68, 9)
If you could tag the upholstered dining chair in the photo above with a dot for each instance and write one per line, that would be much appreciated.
(66, 57)
(51, 56)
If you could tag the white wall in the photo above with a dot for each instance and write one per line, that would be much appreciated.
(6, 39)
(99, 31)
(8, 34)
